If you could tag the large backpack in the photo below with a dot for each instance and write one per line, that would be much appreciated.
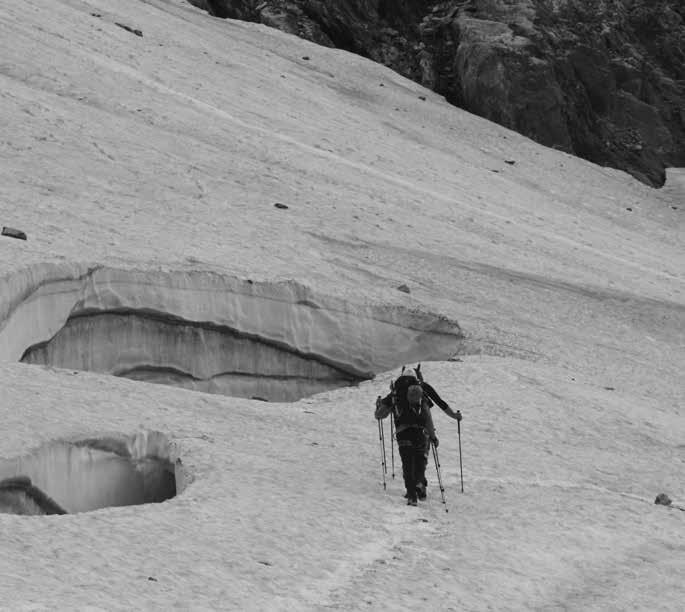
(408, 405)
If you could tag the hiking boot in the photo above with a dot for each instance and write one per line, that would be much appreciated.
(421, 491)
(412, 501)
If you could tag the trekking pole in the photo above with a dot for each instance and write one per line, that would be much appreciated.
(437, 469)
(381, 437)
(461, 469)
(392, 446)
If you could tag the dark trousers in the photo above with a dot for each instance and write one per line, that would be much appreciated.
(412, 445)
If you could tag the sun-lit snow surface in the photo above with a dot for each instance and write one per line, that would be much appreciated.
(278, 341)
(675, 186)
(166, 153)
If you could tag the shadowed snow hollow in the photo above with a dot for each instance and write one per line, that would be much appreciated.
(207, 332)
(63, 477)
(18, 495)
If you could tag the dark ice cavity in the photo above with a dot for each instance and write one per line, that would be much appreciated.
(92, 474)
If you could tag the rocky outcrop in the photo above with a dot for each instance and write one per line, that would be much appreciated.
(207, 332)
(602, 79)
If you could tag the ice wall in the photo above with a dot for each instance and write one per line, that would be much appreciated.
(207, 331)
(89, 474)
(18, 495)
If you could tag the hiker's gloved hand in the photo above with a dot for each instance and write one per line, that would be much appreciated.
(435, 441)
(458, 415)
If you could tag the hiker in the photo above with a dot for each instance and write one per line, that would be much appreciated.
(430, 396)
(410, 400)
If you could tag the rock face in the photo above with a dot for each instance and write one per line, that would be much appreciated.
(602, 79)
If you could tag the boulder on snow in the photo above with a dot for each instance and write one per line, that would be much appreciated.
(128, 28)
(663, 500)
(13, 233)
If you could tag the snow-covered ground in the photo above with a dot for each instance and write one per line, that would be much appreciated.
(675, 186)
(166, 152)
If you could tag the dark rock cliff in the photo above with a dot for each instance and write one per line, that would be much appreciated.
(602, 79)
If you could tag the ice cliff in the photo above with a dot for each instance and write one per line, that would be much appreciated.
(208, 332)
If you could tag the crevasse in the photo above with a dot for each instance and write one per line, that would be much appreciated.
(204, 331)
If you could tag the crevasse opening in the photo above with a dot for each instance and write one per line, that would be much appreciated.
(197, 356)
(80, 476)
(277, 341)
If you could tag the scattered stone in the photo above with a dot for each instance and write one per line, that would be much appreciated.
(13, 233)
(381, 85)
(610, 388)
(265, 563)
(663, 500)
(129, 28)
(259, 399)
(497, 171)
(629, 208)
(457, 359)
(404, 289)
(152, 579)
(674, 207)
(305, 57)
(511, 162)
(422, 98)
(96, 14)
(308, 303)
(281, 206)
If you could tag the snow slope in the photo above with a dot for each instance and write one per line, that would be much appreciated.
(165, 154)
